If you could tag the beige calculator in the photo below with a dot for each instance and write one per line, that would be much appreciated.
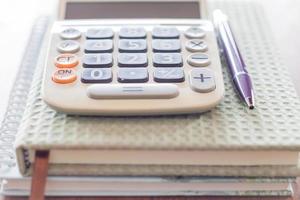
(132, 58)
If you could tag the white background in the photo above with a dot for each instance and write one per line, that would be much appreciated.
(17, 17)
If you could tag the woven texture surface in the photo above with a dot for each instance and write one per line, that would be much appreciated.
(19, 94)
(274, 124)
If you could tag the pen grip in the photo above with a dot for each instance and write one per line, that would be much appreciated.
(244, 85)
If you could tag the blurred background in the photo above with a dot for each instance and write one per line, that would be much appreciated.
(17, 17)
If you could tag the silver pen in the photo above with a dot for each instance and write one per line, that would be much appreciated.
(235, 62)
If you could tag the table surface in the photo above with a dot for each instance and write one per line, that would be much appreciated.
(16, 23)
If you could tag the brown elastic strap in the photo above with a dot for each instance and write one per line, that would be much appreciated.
(39, 175)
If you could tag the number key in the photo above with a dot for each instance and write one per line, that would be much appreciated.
(98, 46)
(101, 33)
(96, 75)
(97, 60)
(132, 60)
(167, 60)
(132, 32)
(132, 46)
(165, 32)
(166, 45)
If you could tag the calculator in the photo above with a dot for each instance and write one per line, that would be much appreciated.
(112, 61)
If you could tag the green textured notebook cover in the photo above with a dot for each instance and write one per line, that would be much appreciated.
(273, 125)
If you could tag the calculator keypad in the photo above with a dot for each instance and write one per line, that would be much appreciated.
(132, 57)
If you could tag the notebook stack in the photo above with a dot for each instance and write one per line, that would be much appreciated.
(228, 151)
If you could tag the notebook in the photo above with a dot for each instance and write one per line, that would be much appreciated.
(151, 186)
(230, 131)
(12, 183)
(263, 142)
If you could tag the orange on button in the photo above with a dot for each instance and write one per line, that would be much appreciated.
(66, 61)
(64, 76)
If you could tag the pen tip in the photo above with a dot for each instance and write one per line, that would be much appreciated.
(250, 103)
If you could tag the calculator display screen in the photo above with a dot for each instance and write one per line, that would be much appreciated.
(117, 10)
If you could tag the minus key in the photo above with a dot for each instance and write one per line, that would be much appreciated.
(198, 60)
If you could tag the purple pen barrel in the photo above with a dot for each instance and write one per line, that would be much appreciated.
(240, 76)
(235, 62)
(241, 79)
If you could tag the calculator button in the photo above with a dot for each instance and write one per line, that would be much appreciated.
(97, 60)
(96, 75)
(68, 46)
(166, 46)
(202, 80)
(196, 45)
(168, 74)
(132, 32)
(199, 60)
(64, 76)
(132, 75)
(167, 60)
(70, 34)
(132, 45)
(132, 60)
(66, 61)
(98, 46)
(195, 32)
(133, 91)
(99, 33)
(165, 32)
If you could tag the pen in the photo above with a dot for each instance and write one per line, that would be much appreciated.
(235, 62)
